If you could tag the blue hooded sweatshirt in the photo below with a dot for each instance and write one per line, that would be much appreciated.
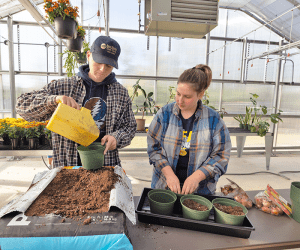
(96, 96)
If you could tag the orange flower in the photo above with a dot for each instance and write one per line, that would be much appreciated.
(50, 9)
(66, 11)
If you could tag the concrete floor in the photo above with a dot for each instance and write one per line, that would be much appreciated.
(16, 175)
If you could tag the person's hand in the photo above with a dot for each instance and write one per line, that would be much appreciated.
(68, 101)
(192, 182)
(172, 180)
(111, 142)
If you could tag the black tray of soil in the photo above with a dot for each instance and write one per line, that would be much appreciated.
(177, 220)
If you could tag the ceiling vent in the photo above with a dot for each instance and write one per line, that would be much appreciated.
(180, 18)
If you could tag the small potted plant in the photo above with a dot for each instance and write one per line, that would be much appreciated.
(40, 133)
(147, 104)
(240, 119)
(14, 133)
(75, 44)
(4, 131)
(32, 135)
(63, 15)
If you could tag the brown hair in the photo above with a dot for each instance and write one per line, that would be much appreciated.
(199, 76)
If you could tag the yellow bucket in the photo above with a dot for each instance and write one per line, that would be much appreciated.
(76, 125)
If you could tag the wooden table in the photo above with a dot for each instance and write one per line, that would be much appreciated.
(271, 232)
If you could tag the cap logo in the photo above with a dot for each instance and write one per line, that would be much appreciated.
(109, 49)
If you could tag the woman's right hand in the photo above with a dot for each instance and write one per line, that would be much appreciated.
(68, 101)
(172, 180)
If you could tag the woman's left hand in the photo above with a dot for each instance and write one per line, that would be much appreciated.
(192, 182)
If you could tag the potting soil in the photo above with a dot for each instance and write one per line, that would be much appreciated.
(74, 193)
(229, 209)
(194, 205)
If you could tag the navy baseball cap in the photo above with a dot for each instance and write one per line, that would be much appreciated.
(106, 50)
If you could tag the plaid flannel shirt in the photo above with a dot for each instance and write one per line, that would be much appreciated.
(209, 151)
(120, 121)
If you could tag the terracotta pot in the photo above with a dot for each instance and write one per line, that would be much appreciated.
(65, 29)
(75, 45)
(140, 124)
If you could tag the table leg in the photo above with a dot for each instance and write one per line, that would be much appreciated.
(268, 146)
(240, 143)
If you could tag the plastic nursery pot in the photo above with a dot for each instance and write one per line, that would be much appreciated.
(195, 214)
(65, 29)
(92, 156)
(161, 201)
(75, 45)
(249, 127)
(224, 218)
(295, 200)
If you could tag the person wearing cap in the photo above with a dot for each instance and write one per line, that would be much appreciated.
(95, 88)
(188, 143)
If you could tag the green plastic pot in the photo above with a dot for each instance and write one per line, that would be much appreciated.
(195, 214)
(92, 156)
(224, 218)
(161, 201)
(295, 200)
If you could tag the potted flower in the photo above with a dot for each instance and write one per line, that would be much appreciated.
(40, 132)
(147, 104)
(63, 15)
(75, 44)
(14, 133)
(4, 131)
(32, 135)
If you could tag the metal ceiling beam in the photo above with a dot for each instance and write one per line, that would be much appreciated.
(30, 6)
(260, 21)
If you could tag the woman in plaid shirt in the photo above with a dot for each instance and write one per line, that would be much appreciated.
(96, 88)
(188, 143)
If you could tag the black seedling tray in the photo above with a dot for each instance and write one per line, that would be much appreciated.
(177, 220)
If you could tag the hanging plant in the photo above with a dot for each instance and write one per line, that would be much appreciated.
(63, 15)
(75, 45)
(60, 8)
(71, 63)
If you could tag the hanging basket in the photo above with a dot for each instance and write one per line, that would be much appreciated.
(65, 29)
(75, 45)
(80, 57)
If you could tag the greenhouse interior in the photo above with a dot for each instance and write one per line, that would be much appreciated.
(251, 47)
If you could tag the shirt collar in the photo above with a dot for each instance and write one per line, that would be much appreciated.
(198, 112)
